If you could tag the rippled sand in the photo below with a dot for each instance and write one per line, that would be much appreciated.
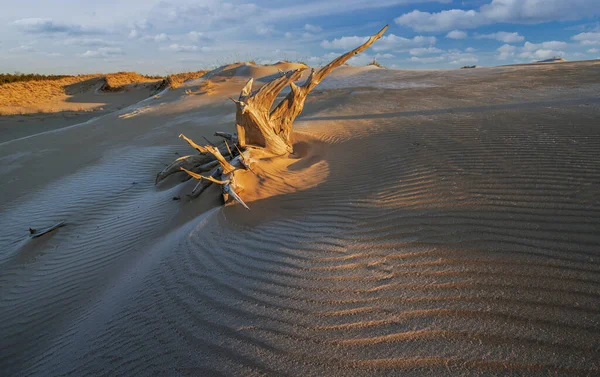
(430, 223)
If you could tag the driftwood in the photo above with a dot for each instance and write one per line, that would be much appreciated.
(34, 233)
(257, 127)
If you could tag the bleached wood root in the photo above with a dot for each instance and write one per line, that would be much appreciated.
(257, 126)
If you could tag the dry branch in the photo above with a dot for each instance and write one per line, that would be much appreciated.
(257, 126)
(34, 233)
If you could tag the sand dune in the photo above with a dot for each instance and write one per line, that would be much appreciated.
(75, 93)
(32, 107)
(431, 222)
(247, 70)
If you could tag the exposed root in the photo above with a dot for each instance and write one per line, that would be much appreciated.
(257, 128)
(196, 163)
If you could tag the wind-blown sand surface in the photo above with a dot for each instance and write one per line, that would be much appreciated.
(431, 223)
(32, 107)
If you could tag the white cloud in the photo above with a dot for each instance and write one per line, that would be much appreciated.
(502, 36)
(344, 43)
(501, 11)
(162, 37)
(48, 26)
(458, 57)
(195, 36)
(88, 42)
(22, 48)
(321, 60)
(312, 28)
(454, 57)
(364, 58)
(593, 50)
(435, 59)
(456, 34)
(207, 14)
(588, 39)
(183, 48)
(465, 60)
(388, 42)
(542, 51)
(175, 47)
(143, 24)
(358, 60)
(424, 51)
(140, 27)
(315, 60)
(393, 42)
(551, 45)
(532, 51)
(103, 52)
(262, 29)
(470, 49)
(445, 20)
(506, 51)
(541, 54)
(186, 27)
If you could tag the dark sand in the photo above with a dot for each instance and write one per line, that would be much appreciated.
(436, 223)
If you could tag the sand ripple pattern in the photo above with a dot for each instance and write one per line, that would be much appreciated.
(446, 244)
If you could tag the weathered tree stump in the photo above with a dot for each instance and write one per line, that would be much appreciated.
(257, 128)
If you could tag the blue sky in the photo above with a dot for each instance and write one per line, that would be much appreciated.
(159, 37)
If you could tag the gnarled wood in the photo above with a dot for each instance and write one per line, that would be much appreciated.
(196, 163)
(283, 116)
(257, 127)
(253, 122)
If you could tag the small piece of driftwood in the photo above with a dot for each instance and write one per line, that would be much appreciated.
(34, 233)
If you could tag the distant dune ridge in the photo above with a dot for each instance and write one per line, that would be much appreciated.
(83, 92)
(38, 96)
(177, 79)
(122, 80)
(554, 59)
(429, 223)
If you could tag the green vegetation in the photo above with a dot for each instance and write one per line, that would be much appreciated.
(6, 78)
(376, 64)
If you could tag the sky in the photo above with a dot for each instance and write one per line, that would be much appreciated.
(162, 37)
